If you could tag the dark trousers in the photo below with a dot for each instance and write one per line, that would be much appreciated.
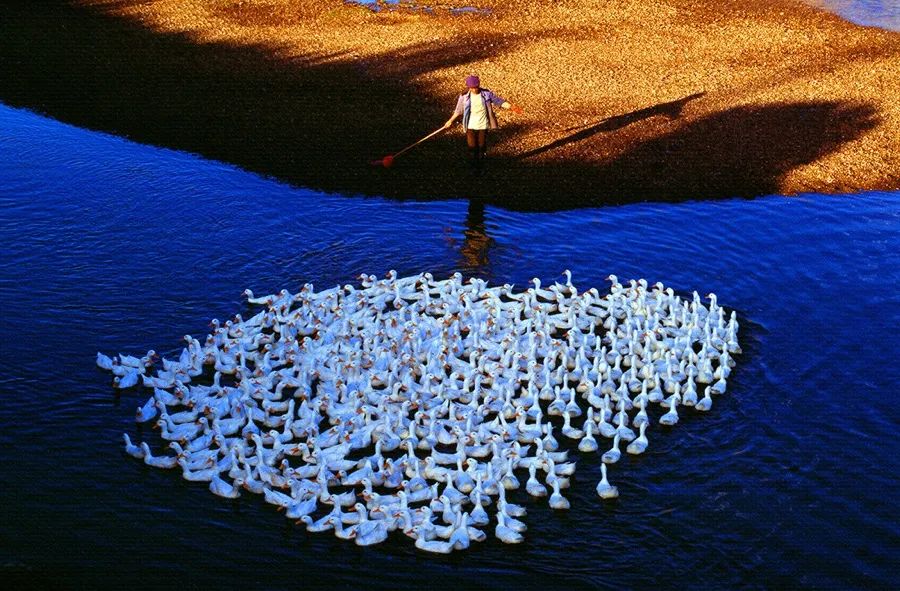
(476, 140)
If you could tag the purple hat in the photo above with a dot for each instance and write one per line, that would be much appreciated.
(473, 82)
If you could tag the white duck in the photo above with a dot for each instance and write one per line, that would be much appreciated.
(639, 445)
(434, 546)
(557, 501)
(165, 462)
(588, 444)
(719, 387)
(104, 361)
(604, 489)
(129, 380)
(533, 487)
(612, 456)
(371, 531)
(506, 534)
(134, 451)
(671, 417)
(222, 489)
(705, 403)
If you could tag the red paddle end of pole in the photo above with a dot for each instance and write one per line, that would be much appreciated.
(387, 162)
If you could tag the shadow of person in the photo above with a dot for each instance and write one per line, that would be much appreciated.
(671, 109)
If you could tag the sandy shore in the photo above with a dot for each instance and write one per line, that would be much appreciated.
(624, 100)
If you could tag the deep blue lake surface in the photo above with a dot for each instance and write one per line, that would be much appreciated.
(110, 246)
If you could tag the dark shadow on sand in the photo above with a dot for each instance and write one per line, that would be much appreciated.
(318, 120)
(738, 152)
(671, 109)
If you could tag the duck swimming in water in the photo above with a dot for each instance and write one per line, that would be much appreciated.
(639, 445)
(604, 489)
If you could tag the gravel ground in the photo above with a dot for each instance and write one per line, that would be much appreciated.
(623, 100)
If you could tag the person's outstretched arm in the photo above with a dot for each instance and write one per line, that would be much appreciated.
(505, 104)
(511, 107)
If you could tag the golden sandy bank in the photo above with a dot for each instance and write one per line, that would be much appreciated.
(624, 99)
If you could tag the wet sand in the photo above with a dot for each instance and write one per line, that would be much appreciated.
(624, 101)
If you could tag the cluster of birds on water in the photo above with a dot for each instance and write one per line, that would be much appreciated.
(414, 405)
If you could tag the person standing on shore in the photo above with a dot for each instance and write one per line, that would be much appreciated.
(475, 106)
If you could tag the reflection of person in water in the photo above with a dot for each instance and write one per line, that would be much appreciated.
(476, 241)
(476, 107)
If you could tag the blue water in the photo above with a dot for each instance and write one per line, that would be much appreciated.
(428, 7)
(790, 481)
(873, 13)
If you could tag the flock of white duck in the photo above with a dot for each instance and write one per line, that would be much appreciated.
(413, 404)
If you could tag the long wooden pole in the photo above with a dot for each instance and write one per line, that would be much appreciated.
(429, 136)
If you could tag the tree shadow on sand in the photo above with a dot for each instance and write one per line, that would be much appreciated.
(318, 120)
(315, 119)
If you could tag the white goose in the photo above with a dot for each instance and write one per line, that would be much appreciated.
(557, 501)
(479, 516)
(588, 443)
(134, 451)
(719, 387)
(251, 299)
(505, 533)
(568, 430)
(671, 417)
(129, 380)
(510, 509)
(533, 487)
(622, 430)
(460, 539)
(370, 531)
(604, 489)
(323, 524)
(222, 489)
(612, 456)
(605, 428)
(641, 418)
(104, 361)
(297, 509)
(165, 462)
(340, 531)
(435, 546)
(705, 403)
(639, 445)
